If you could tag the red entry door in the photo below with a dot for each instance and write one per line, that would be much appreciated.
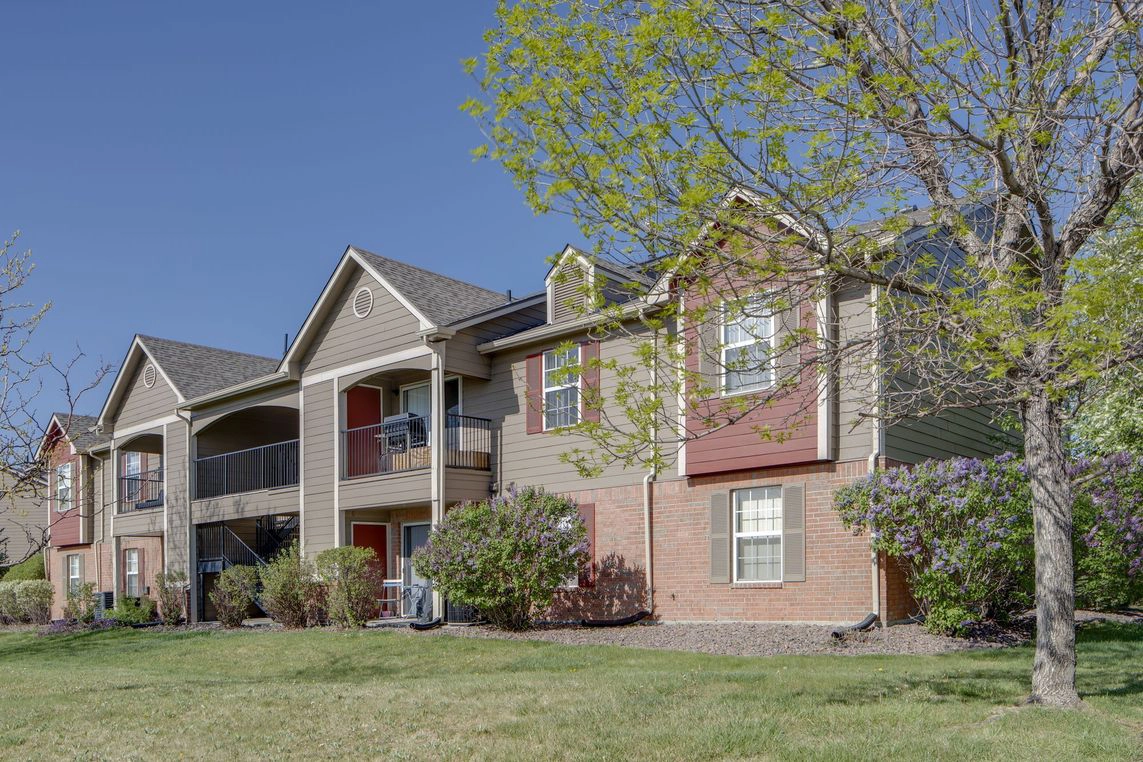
(374, 536)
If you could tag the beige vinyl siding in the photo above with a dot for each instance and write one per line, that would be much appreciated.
(386, 490)
(246, 505)
(148, 522)
(461, 356)
(177, 498)
(567, 291)
(857, 390)
(141, 404)
(106, 505)
(462, 484)
(285, 395)
(344, 338)
(952, 433)
(525, 458)
(318, 474)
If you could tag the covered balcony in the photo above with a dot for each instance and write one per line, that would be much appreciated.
(389, 428)
(250, 450)
(141, 482)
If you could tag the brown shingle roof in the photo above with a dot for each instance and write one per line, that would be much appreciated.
(196, 370)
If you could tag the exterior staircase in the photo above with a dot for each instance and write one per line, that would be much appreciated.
(219, 548)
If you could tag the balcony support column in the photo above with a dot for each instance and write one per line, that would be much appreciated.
(437, 442)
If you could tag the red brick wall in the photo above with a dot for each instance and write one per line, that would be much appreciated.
(98, 566)
(839, 581)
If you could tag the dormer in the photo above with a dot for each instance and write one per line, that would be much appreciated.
(570, 283)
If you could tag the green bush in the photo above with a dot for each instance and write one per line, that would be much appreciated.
(31, 568)
(130, 611)
(351, 581)
(26, 601)
(171, 588)
(234, 593)
(290, 592)
(1104, 578)
(506, 556)
(80, 606)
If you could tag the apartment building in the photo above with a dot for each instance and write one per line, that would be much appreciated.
(406, 392)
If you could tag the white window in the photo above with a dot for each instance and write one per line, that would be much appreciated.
(63, 487)
(74, 573)
(561, 388)
(758, 534)
(131, 571)
(747, 346)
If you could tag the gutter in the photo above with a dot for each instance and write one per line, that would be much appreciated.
(876, 451)
(631, 310)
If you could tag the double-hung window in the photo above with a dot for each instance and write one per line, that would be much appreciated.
(63, 487)
(746, 349)
(758, 534)
(561, 388)
(131, 572)
(74, 573)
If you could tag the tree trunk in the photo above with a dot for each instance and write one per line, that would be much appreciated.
(1054, 669)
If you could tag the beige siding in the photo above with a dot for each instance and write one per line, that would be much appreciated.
(139, 523)
(567, 291)
(856, 390)
(344, 338)
(525, 458)
(177, 498)
(386, 490)
(461, 355)
(141, 404)
(462, 485)
(246, 505)
(953, 433)
(318, 466)
(279, 396)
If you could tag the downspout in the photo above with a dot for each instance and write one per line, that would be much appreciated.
(648, 478)
(876, 451)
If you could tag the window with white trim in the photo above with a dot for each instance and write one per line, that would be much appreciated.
(746, 349)
(131, 571)
(758, 534)
(64, 487)
(561, 388)
(74, 573)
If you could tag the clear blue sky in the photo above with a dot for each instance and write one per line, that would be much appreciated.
(194, 171)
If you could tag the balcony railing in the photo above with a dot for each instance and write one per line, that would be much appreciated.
(142, 491)
(257, 468)
(406, 445)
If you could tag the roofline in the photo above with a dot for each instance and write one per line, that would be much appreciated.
(55, 419)
(631, 309)
(117, 391)
(253, 384)
(477, 318)
(301, 339)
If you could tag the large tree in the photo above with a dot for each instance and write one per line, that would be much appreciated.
(1016, 124)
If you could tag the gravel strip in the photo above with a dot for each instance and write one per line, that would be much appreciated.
(744, 639)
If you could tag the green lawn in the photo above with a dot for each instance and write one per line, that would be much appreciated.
(135, 694)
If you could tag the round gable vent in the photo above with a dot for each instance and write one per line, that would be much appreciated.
(149, 376)
(362, 302)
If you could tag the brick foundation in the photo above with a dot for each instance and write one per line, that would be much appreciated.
(98, 567)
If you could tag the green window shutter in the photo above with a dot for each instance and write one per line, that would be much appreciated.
(720, 538)
(794, 533)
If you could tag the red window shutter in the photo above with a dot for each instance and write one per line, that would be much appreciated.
(587, 514)
(589, 360)
(534, 378)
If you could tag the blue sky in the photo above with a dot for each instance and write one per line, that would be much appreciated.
(194, 171)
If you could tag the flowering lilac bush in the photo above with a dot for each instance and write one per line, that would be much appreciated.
(506, 556)
(961, 529)
(1109, 522)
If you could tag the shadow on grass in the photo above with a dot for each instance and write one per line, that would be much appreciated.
(87, 642)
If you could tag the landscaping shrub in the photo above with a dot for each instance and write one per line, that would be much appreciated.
(171, 587)
(80, 606)
(351, 584)
(233, 594)
(129, 611)
(30, 568)
(25, 601)
(962, 530)
(506, 556)
(290, 592)
(1109, 527)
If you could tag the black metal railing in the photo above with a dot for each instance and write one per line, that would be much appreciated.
(272, 533)
(218, 542)
(256, 468)
(142, 491)
(404, 444)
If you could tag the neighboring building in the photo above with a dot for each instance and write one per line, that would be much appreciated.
(407, 392)
(23, 520)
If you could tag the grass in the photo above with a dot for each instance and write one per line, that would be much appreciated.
(321, 694)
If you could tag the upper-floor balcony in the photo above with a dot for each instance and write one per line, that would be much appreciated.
(403, 442)
(142, 483)
(269, 466)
